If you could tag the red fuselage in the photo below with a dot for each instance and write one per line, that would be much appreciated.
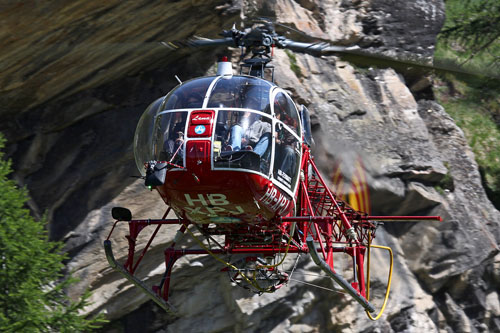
(233, 146)
(204, 195)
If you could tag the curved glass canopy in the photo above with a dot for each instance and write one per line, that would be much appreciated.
(256, 127)
(241, 92)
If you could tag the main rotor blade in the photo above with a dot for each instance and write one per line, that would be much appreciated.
(360, 57)
(199, 42)
(315, 49)
(363, 58)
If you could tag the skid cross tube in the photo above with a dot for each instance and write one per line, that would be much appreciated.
(337, 277)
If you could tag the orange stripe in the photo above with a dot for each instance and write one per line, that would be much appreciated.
(361, 186)
(338, 182)
(366, 190)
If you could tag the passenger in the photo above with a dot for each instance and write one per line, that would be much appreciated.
(259, 135)
(237, 131)
(250, 137)
(286, 159)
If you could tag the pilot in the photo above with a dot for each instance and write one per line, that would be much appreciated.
(175, 135)
(284, 112)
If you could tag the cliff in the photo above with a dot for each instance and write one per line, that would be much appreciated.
(77, 76)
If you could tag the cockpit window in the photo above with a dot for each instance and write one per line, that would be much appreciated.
(285, 110)
(143, 150)
(241, 92)
(287, 157)
(188, 95)
(160, 136)
(243, 140)
(168, 141)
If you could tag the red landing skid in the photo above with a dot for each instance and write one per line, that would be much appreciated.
(324, 225)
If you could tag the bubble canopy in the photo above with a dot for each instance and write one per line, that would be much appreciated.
(156, 125)
(163, 128)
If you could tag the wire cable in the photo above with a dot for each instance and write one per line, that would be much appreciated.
(253, 284)
(318, 286)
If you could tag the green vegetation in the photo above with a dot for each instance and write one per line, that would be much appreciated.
(293, 64)
(471, 33)
(470, 39)
(475, 116)
(446, 183)
(32, 296)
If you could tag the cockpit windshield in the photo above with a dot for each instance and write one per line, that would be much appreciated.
(243, 140)
(144, 135)
(241, 92)
(188, 95)
(250, 124)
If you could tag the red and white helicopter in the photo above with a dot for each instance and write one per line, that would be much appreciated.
(230, 155)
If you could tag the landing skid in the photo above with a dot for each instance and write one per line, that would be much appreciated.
(138, 283)
(337, 277)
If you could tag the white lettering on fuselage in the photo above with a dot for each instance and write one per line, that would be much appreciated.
(210, 205)
(275, 200)
(201, 118)
(212, 199)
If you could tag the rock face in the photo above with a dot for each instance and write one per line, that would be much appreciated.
(76, 77)
(86, 59)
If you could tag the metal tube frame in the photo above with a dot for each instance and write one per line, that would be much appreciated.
(322, 220)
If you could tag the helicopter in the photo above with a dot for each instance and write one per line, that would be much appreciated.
(230, 155)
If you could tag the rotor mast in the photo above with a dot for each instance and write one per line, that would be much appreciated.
(258, 42)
